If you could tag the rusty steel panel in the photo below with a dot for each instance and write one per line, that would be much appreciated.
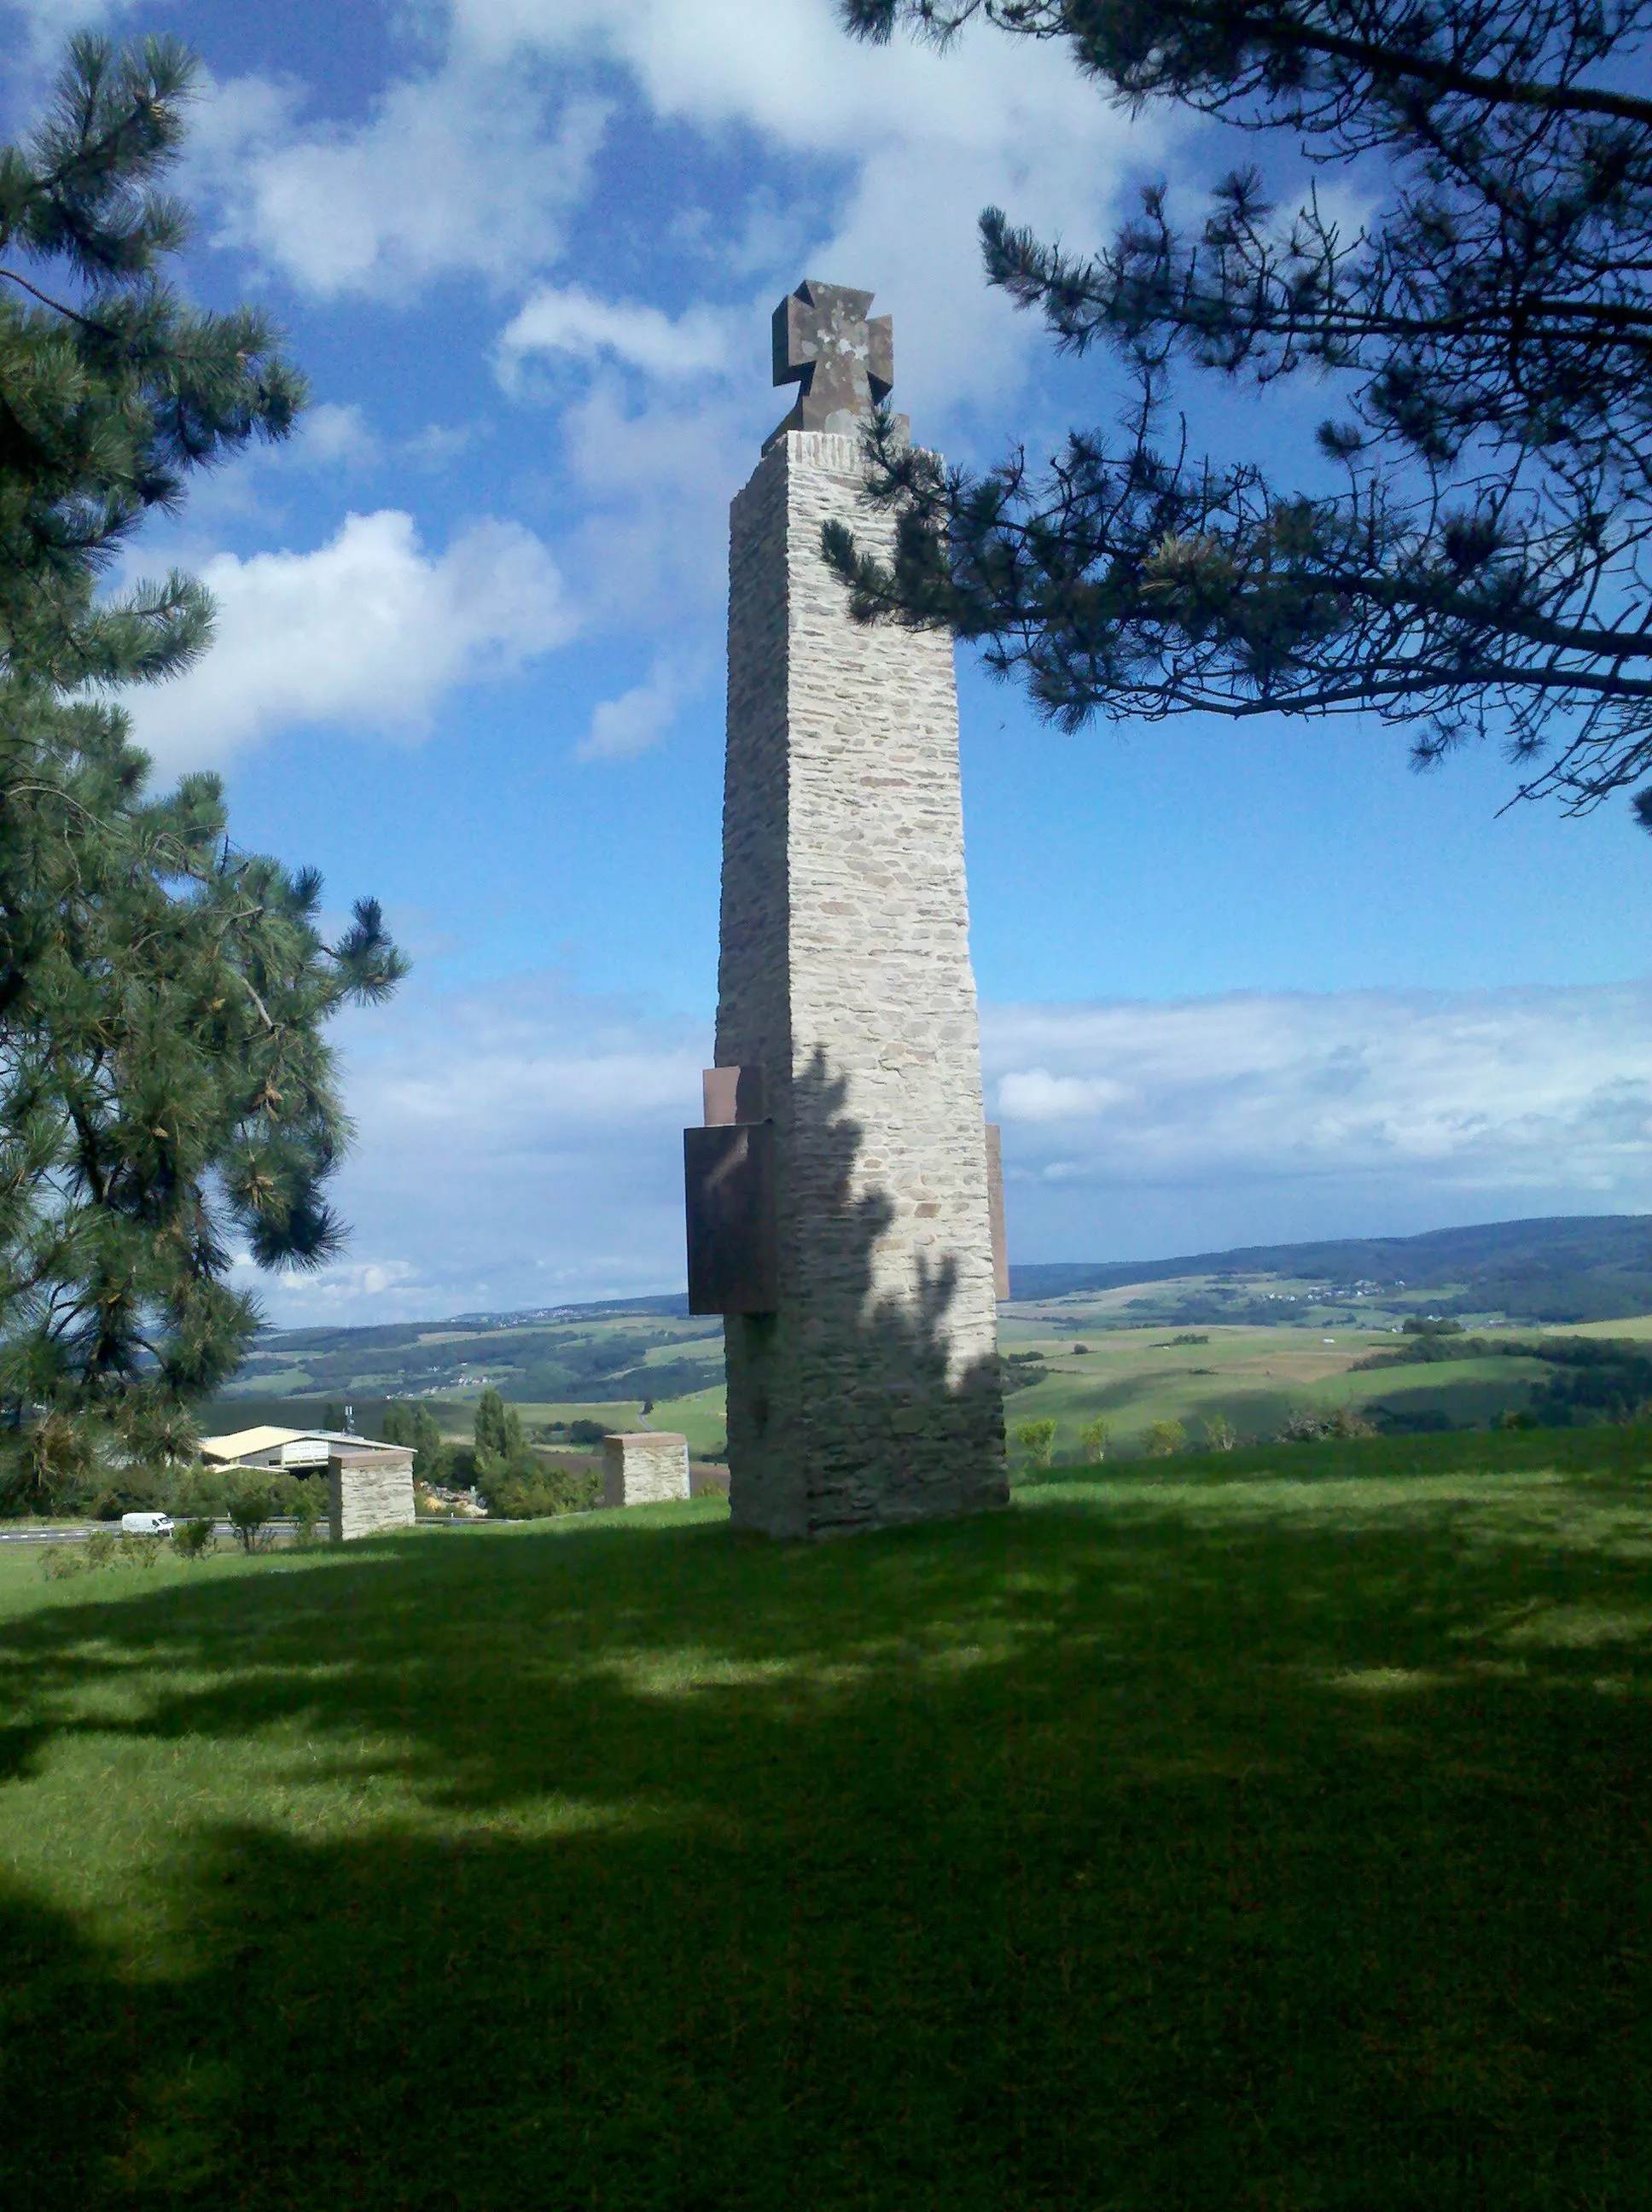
(995, 1212)
(728, 1173)
(733, 1094)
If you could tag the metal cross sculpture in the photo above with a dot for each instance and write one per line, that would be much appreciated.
(844, 362)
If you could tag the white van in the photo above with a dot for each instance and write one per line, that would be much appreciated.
(146, 1524)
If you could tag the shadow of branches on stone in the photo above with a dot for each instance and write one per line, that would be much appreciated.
(874, 1412)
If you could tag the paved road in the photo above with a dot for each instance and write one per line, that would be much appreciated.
(77, 1532)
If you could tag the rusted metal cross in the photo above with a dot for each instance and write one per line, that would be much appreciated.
(844, 362)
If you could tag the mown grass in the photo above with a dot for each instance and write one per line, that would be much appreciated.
(1269, 1831)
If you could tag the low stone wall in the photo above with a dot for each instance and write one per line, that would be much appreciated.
(370, 1494)
(643, 1467)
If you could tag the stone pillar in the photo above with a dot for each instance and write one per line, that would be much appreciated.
(644, 1467)
(871, 1394)
(369, 1493)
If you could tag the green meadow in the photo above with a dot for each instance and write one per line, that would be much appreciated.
(1253, 1377)
(1267, 1829)
(1131, 1377)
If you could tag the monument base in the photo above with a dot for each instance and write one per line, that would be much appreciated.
(644, 1467)
(369, 1495)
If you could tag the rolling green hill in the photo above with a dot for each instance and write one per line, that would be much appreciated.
(1262, 1316)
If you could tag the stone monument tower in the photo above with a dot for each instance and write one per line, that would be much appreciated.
(839, 1210)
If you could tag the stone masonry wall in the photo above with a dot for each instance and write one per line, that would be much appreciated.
(643, 1467)
(872, 1396)
(368, 1499)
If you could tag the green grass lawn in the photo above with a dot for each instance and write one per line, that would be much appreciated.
(1265, 1832)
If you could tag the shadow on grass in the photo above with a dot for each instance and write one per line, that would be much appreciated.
(1077, 1857)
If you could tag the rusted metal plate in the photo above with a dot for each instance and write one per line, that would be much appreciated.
(728, 1173)
(733, 1094)
(995, 1212)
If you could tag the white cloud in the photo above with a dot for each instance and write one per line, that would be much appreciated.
(368, 630)
(455, 171)
(50, 24)
(334, 436)
(518, 1145)
(1035, 1095)
(1320, 1112)
(571, 323)
(654, 475)
(622, 727)
(930, 137)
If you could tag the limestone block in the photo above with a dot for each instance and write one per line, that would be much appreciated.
(871, 1394)
(369, 1493)
(643, 1467)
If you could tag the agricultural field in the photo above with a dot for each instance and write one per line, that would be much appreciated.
(588, 1355)
(1066, 1360)
(1254, 1378)
(1266, 1829)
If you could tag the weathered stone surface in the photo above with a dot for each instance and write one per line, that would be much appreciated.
(871, 1394)
(369, 1493)
(643, 1467)
(843, 359)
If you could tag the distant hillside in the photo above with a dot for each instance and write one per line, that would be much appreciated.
(597, 1354)
(1572, 1269)
(1568, 1271)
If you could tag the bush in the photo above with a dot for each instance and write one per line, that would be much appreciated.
(305, 1514)
(1220, 1435)
(1163, 1439)
(524, 1491)
(1094, 1437)
(131, 1490)
(214, 1490)
(103, 1549)
(1037, 1440)
(193, 1540)
(586, 1432)
(461, 1466)
(250, 1514)
(1303, 1426)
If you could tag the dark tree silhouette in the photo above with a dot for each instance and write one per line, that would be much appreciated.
(165, 1093)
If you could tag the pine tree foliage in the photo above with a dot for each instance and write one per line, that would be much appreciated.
(1478, 559)
(165, 1095)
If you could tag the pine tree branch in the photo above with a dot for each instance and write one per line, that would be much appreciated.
(58, 306)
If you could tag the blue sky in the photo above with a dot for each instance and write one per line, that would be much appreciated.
(1236, 985)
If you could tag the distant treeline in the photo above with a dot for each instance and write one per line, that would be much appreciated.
(1595, 1379)
(1566, 1269)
